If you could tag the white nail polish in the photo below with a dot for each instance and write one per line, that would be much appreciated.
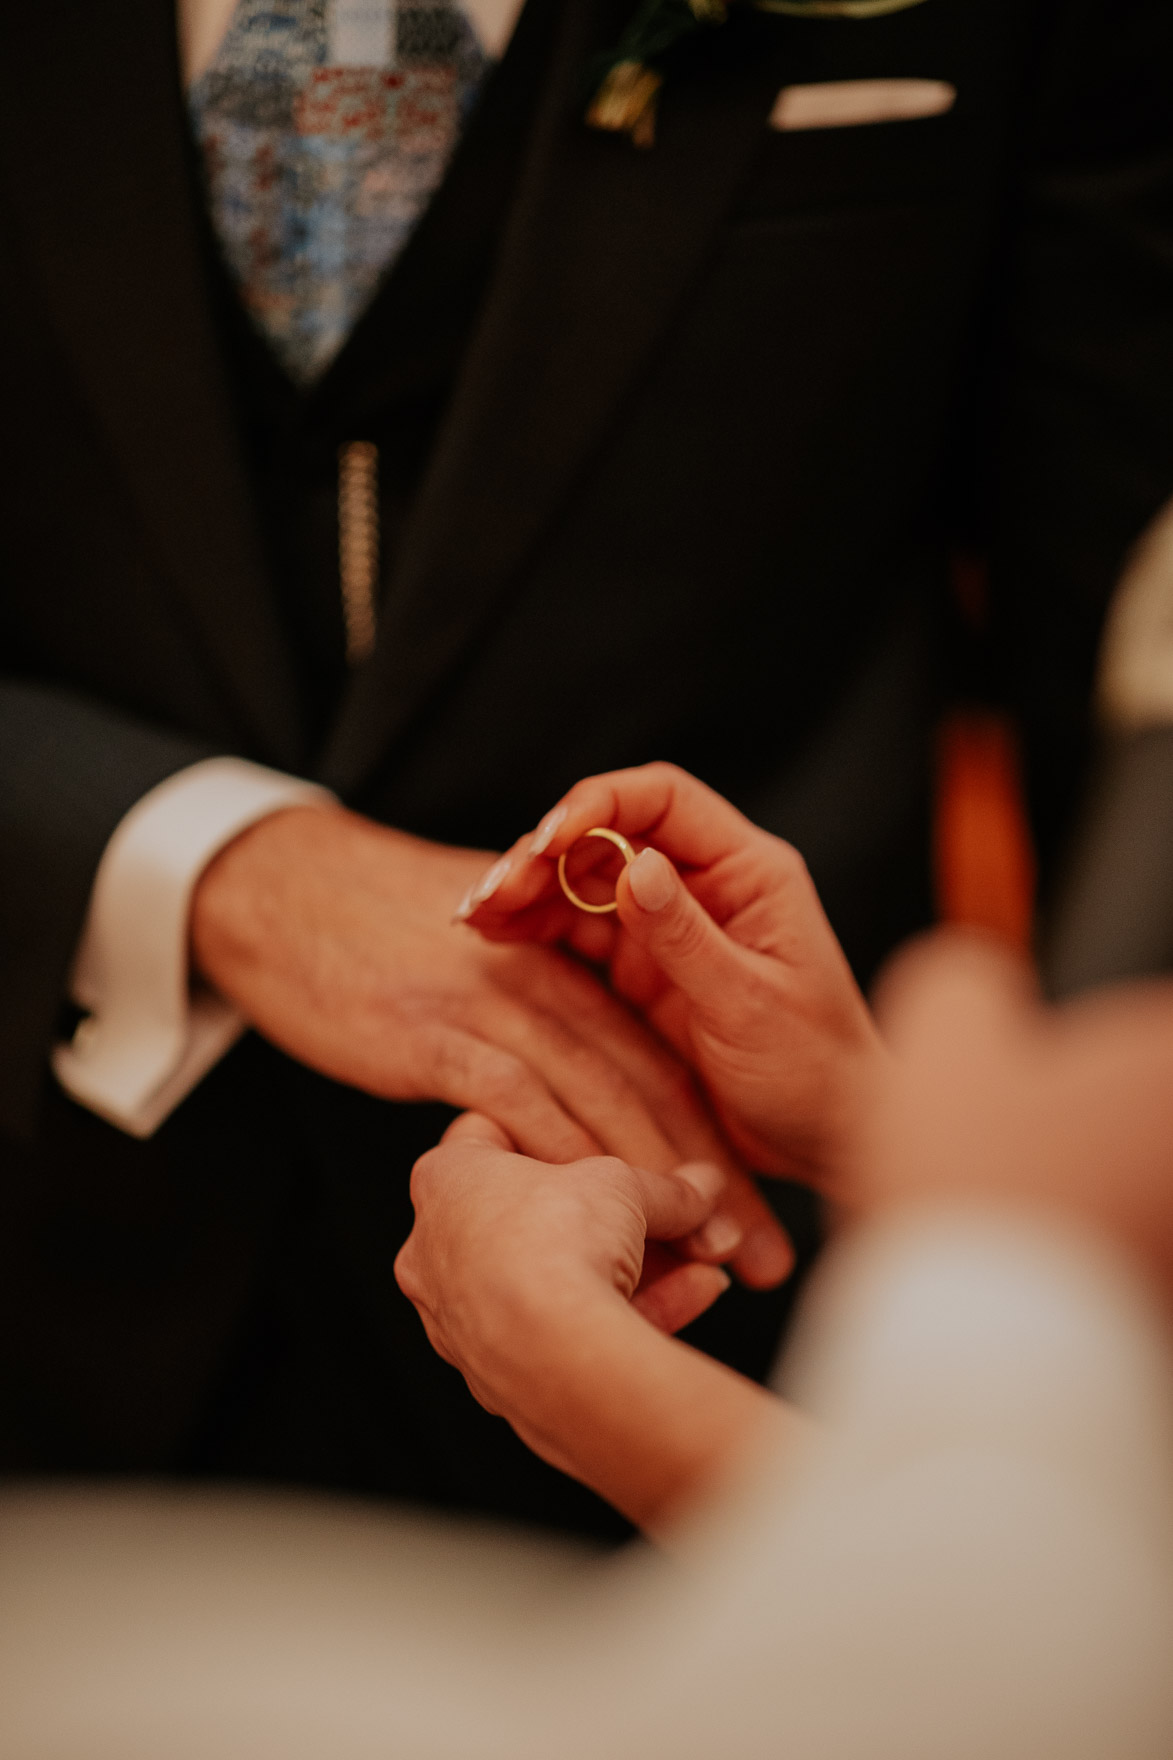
(652, 880)
(464, 909)
(488, 884)
(544, 835)
(720, 1236)
(485, 887)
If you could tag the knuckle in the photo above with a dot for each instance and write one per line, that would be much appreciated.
(406, 1272)
(424, 1173)
(500, 1080)
(752, 1008)
(789, 861)
(447, 1056)
(474, 1072)
(661, 770)
(599, 1076)
(684, 932)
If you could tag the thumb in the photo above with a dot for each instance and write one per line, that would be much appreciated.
(474, 1127)
(659, 912)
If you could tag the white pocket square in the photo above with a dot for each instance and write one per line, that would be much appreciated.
(844, 103)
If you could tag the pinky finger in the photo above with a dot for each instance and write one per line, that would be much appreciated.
(676, 1296)
(764, 1256)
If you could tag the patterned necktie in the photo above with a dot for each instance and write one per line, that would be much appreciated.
(326, 125)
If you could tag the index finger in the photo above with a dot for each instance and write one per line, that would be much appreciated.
(653, 803)
(657, 803)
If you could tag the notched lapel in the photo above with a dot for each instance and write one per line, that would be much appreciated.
(96, 150)
(603, 242)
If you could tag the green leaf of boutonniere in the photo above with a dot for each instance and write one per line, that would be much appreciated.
(626, 81)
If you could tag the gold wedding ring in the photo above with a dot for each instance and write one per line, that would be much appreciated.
(625, 850)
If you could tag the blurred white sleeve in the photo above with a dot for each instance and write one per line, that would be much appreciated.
(973, 1565)
(977, 1559)
(992, 1329)
(151, 1035)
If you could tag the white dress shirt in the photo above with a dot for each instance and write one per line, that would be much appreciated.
(976, 1564)
(150, 1035)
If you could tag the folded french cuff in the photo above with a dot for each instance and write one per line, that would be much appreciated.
(150, 1035)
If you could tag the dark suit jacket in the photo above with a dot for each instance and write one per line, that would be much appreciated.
(726, 407)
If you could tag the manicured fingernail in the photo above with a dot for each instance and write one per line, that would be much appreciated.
(765, 1258)
(705, 1178)
(544, 835)
(485, 887)
(652, 880)
(718, 1238)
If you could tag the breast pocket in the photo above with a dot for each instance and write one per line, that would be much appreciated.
(860, 142)
(857, 103)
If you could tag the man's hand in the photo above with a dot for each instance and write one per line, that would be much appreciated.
(334, 937)
(538, 1283)
(728, 953)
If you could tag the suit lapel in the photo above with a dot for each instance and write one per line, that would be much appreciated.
(96, 143)
(601, 246)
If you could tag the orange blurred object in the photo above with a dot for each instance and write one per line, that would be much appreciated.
(984, 864)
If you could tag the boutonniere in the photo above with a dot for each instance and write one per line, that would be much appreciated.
(626, 81)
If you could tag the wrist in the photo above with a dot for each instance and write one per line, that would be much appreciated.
(240, 893)
(529, 1338)
(652, 1425)
(863, 1080)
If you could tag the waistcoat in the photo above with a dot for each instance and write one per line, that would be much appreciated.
(391, 382)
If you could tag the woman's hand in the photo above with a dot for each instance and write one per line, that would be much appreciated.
(552, 1290)
(507, 1233)
(728, 954)
(996, 1099)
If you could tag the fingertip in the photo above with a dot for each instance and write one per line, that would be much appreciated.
(717, 1239)
(765, 1259)
(705, 1178)
(651, 880)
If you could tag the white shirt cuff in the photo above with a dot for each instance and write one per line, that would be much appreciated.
(150, 1036)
